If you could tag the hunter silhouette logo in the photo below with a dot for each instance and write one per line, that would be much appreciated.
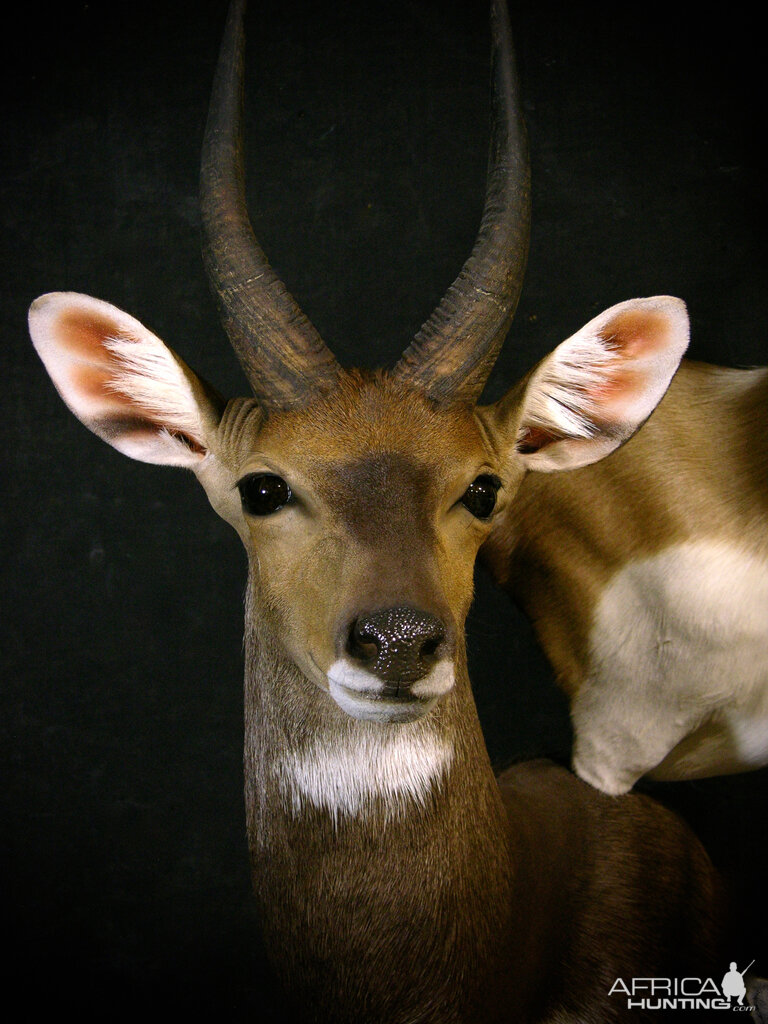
(734, 985)
(686, 993)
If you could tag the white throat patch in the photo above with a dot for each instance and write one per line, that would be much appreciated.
(398, 764)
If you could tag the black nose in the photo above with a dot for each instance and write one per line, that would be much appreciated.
(397, 644)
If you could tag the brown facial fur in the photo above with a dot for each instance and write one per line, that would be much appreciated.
(377, 471)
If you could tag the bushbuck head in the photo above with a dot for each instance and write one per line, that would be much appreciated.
(362, 498)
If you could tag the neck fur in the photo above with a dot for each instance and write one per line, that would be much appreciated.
(353, 822)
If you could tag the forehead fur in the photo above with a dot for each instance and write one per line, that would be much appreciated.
(369, 413)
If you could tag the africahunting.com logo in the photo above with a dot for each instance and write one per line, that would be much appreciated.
(686, 993)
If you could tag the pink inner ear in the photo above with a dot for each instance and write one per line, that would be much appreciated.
(617, 385)
(93, 372)
(84, 333)
(119, 379)
(92, 381)
(534, 439)
(636, 336)
(601, 384)
(635, 333)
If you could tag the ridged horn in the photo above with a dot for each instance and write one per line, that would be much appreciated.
(454, 351)
(284, 358)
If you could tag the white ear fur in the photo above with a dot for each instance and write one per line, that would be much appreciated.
(594, 391)
(119, 379)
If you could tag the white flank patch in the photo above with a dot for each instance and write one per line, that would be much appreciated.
(679, 656)
(399, 764)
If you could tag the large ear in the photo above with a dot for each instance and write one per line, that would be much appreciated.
(121, 381)
(594, 391)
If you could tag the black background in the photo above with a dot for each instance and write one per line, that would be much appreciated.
(124, 865)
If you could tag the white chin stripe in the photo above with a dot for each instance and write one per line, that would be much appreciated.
(360, 693)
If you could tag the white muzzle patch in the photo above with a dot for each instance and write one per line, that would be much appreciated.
(362, 695)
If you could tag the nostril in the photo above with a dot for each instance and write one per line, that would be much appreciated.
(362, 644)
(430, 646)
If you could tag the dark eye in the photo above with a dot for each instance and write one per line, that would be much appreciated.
(263, 493)
(480, 497)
